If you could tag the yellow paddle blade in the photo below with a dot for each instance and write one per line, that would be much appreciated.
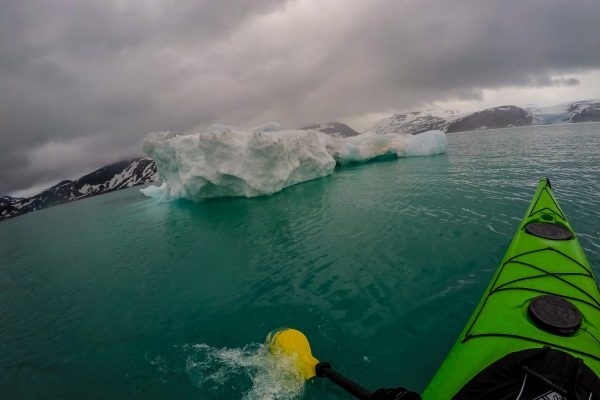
(293, 344)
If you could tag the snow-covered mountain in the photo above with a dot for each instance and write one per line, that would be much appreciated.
(491, 118)
(572, 112)
(112, 177)
(414, 122)
(452, 121)
(335, 129)
(143, 170)
(117, 176)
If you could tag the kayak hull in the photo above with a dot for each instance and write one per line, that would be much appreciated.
(542, 259)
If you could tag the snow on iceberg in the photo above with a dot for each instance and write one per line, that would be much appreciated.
(225, 161)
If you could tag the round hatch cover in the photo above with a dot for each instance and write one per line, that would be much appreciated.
(548, 230)
(555, 315)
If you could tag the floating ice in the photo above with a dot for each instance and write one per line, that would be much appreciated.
(226, 161)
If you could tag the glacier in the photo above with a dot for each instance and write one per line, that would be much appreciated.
(226, 161)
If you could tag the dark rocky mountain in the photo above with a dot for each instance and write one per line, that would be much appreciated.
(491, 118)
(336, 129)
(451, 121)
(414, 122)
(112, 177)
(584, 111)
(425, 123)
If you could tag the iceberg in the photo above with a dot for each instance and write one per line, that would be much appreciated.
(226, 161)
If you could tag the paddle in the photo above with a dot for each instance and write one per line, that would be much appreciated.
(294, 344)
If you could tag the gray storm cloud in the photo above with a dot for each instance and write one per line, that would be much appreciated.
(83, 82)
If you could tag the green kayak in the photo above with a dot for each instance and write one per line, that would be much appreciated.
(543, 296)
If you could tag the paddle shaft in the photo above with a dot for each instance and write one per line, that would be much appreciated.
(324, 370)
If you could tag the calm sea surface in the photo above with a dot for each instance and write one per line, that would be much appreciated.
(380, 265)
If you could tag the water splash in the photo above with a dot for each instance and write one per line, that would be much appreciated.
(252, 371)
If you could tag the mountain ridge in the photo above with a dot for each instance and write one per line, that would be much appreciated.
(116, 176)
(138, 171)
(335, 129)
(505, 116)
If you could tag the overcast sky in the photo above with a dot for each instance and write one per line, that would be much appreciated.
(82, 82)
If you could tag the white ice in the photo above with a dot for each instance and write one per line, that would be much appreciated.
(226, 161)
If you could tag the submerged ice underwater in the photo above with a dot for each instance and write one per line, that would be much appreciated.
(379, 264)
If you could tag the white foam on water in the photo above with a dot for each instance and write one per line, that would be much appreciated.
(225, 161)
(268, 377)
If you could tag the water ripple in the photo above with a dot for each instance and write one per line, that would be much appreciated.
(101, 291)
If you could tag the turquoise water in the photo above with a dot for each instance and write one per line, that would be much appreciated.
(380, 264)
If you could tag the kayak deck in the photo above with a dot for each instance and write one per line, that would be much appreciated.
(544, 258)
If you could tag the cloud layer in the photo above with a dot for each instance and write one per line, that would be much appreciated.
(82, 82)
